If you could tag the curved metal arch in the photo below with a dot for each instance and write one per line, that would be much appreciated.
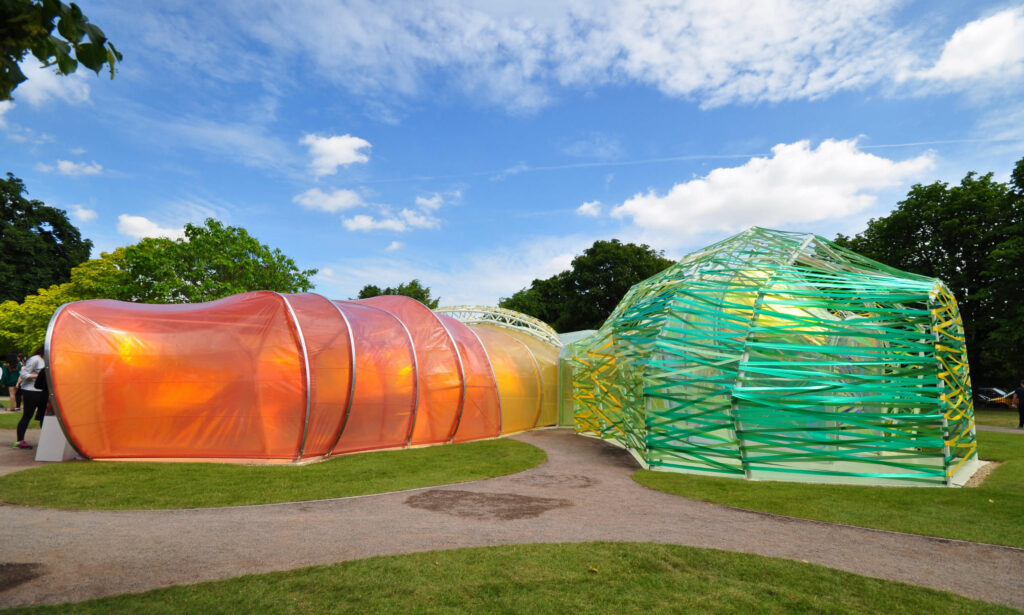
(510, 319)
(305, 370)
(415, 367)
(47, 346)
(352, 371)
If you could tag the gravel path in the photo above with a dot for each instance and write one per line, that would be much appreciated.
(584, 492)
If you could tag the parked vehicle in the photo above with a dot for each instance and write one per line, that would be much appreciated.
(992, 397)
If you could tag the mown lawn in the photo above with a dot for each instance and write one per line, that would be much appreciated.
(612, 578)
(990, 513)
(996, 417)
(132, 485)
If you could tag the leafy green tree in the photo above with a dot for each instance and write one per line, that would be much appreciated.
(413, 289)
(211, 262)
(38, 244)
(23, 325)
(971, 236)
(28, 26)
(584, 296)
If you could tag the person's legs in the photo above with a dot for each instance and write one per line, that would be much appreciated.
(1020, 415)
(26, 413)
(14, 397)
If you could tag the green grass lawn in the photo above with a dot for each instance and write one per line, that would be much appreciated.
(9, 420)
(610, 578)
(996, 417)
(132, 485)
(990, 513)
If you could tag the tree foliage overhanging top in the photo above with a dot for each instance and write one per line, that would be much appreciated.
(211, 262)
(971, 236)
(413, 289)
(584, 296)
(39, 244)
(27, 26)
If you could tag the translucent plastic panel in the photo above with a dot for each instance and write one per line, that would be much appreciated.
(330, 369)
(440, 371)
(547, 360)
(515, 371)
(384, 400)
(221, 379)
(481, 413)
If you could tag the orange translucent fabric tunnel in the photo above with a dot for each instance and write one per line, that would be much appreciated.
(269, 377)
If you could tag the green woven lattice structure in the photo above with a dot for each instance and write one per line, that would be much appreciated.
(782, 356)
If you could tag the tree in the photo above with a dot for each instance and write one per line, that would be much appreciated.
(28, 26)
(211, 262)
(23, 325)
(412, 289)
(584, 296)
(38, 244)
(971, 236)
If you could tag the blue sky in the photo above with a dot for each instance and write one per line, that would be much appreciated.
(479, 145)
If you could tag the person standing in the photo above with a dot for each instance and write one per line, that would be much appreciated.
(1018, 402)
(33, 398)
(9, 377)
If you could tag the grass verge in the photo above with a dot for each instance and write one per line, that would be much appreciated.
(995, 417)
(989, 513)
(131, 485)
(553, 578)
(9, 420)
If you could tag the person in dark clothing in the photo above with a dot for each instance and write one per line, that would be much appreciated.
(1018, 400)
(34, 398)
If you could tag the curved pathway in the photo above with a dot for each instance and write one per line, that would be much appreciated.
(584, 492)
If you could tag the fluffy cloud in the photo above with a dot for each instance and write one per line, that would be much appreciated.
(67, 167)
(44, 84)
(517, 54)
(329, 153)
(5, 106)
(394, 246)
(336, 201)
(431, 203)
(590, 208)
(139, 227)
(405, 220)
(797, 184)
(81, 214)
(989, 47)
(363, 222)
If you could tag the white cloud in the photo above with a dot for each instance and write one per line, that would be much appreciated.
(516, 55)
(67, 167)
(338, 200)
(393, 246)
(431, 203)
(81, 214)
(5, 106)
(139, 227)
(417, 219)
(363, 222)
(590, 208)
(405, 220)
(797, 184)
(44, 84)
(989, 47)
(331, 152)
